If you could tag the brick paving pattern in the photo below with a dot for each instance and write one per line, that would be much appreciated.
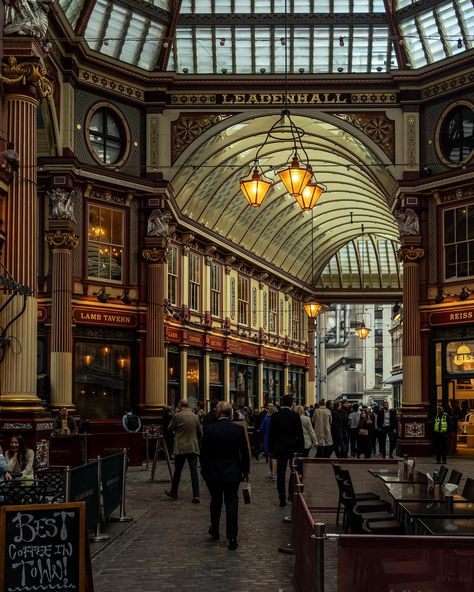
(167, 548)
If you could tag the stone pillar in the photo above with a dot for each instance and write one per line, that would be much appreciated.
(62, 240)
(155, 254)
(24, 84)
(413, 415)
(260, 400)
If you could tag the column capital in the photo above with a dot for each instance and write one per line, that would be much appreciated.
(410, 254)
(156, 249)
(15, 74)
(61, 240)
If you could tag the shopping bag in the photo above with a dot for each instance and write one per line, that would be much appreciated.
(247, 492)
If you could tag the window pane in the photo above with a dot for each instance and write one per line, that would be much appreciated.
(450, 261)
(449, 226)
(460, 224)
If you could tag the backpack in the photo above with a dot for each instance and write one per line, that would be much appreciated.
(132, 422)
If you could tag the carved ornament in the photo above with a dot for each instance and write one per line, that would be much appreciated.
(188, 127)
(14, 73)
(61, 240)
(377, 126)
(155, 255)
(410, 254)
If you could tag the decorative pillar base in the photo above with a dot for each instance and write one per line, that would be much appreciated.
(414, 431)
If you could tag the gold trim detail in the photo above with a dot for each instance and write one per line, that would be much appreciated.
(377, 126)
(111, 84)
(371, 98)
(155, 255)
(445, 86)
(26, 73)
(59, 239)
(190, 126)
(410, 254)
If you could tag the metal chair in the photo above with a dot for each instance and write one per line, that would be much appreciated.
(14, 493)
(344, 475)
(54, 479)
(468, 490)
(443, 471)
(455, 477)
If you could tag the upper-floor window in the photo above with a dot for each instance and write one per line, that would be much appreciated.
(194, 281)
(456, 133)
(296, 321)
(107, 135)
(106, 243)
(273, 311)
(173, 275)
(458, 224)
(216, 289)
(243, 298)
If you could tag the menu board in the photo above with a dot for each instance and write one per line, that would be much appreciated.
(43, 548)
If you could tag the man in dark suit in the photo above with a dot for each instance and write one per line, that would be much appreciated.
(387, 426)
(285, 438)
(225, 462)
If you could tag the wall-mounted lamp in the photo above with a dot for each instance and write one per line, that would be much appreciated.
(124, 297)
(465, 293)
(101, 295)
(122, 362)
(440, 296)
(396, 312)
(88, 359)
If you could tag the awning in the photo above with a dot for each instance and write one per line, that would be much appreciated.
(394, 379)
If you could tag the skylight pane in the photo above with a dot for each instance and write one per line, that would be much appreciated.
(244, 7)
(379, 6)
(134, 38)
(301, 6)
(223, 7)
(412, 43)
(263, 41)
(321, 50)
(72, 10)
(184, 50)
(115, 31)
(204, 51)
(243, 50)
(321, 6)
(160, 3)
(432, 36)
(263, 6)
(341, 6)
(279, 6)
(279, 50)
(186, 7)
(223, 49)
(95, 24)
(360, 50)
(151, 46)
(340, 54)
(466, 10)
(202, 7)
(403, 3)
(301, 46)
(379, 49)
(361, 6)
(450, 24)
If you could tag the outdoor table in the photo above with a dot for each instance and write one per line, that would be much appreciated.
(411, 511)
(392, 476)
(447, 526)
(416, 492)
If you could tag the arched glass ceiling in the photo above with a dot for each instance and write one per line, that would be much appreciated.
(206, 189)
(245, 36)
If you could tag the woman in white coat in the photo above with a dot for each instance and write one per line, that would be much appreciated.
(308, 431)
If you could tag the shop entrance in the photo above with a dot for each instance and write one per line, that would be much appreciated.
(459, 403)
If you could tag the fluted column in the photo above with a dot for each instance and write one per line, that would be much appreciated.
(24, 84)
(226, 377)
(61, 240)
(311, 385)
(206, 378)
(155, 254)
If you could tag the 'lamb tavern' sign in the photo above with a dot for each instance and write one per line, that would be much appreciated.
(95, 316)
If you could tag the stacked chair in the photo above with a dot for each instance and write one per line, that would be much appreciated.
(468, 490)
(454, 477)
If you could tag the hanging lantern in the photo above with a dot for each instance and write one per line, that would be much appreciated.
(310, 195)
(255, 188)
(295, 177)
(362, 331)
(313, 309)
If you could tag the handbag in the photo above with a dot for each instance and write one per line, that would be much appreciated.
(363, 432)
(247, 492)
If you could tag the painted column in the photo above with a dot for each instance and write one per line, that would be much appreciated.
(61, 240)
(25, 83)
(155, 254)
(413, 417)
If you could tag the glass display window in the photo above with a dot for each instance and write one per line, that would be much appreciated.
(272, 383)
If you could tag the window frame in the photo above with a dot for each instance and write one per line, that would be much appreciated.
(243, 306)
(173, 277)
(215, 296)
(273, 311)
(124, 259)
(438, 143)
(126, 144)
(194, 285)
(454, 244)
(296, 308)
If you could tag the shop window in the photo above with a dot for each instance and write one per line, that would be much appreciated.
(243, 298)
(193, 379)
(273, 312)
(456, 133)
(296, 321)
(458, 226)
(101, 379)
(243, 381)
(107, 135)
(105, 243)
(272, 384)
(173, 276)
(216, 289)
(194, 281)
(296, 387)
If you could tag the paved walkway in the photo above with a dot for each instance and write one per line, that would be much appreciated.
(167, 546)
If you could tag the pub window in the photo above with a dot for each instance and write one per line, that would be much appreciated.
(216, 289)
(105, 243)
(243, 298)
(273, 312)
(173, 275)
(296, 321)
(458, 225)
(194, 281)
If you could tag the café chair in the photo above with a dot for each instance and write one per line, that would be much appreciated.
(468, 490)
(382, 527)
(351, 520)
(454, 477)
(442, 472)
(14, 493)
(53, 477)
(344, 475)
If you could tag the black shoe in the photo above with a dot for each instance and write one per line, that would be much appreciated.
(214, 534)
(282, 503)
(171, 494)
(233, 544)
(196, 500)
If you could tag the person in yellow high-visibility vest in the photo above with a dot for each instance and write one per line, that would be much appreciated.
(441, 429)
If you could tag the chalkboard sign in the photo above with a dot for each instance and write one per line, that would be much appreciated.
(43, 548)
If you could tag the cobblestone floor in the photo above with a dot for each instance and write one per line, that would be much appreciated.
(167, 548)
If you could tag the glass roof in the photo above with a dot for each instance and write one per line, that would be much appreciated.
(205, 185)
(248, 36)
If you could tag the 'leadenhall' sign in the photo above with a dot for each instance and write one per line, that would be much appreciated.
(92, 316)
